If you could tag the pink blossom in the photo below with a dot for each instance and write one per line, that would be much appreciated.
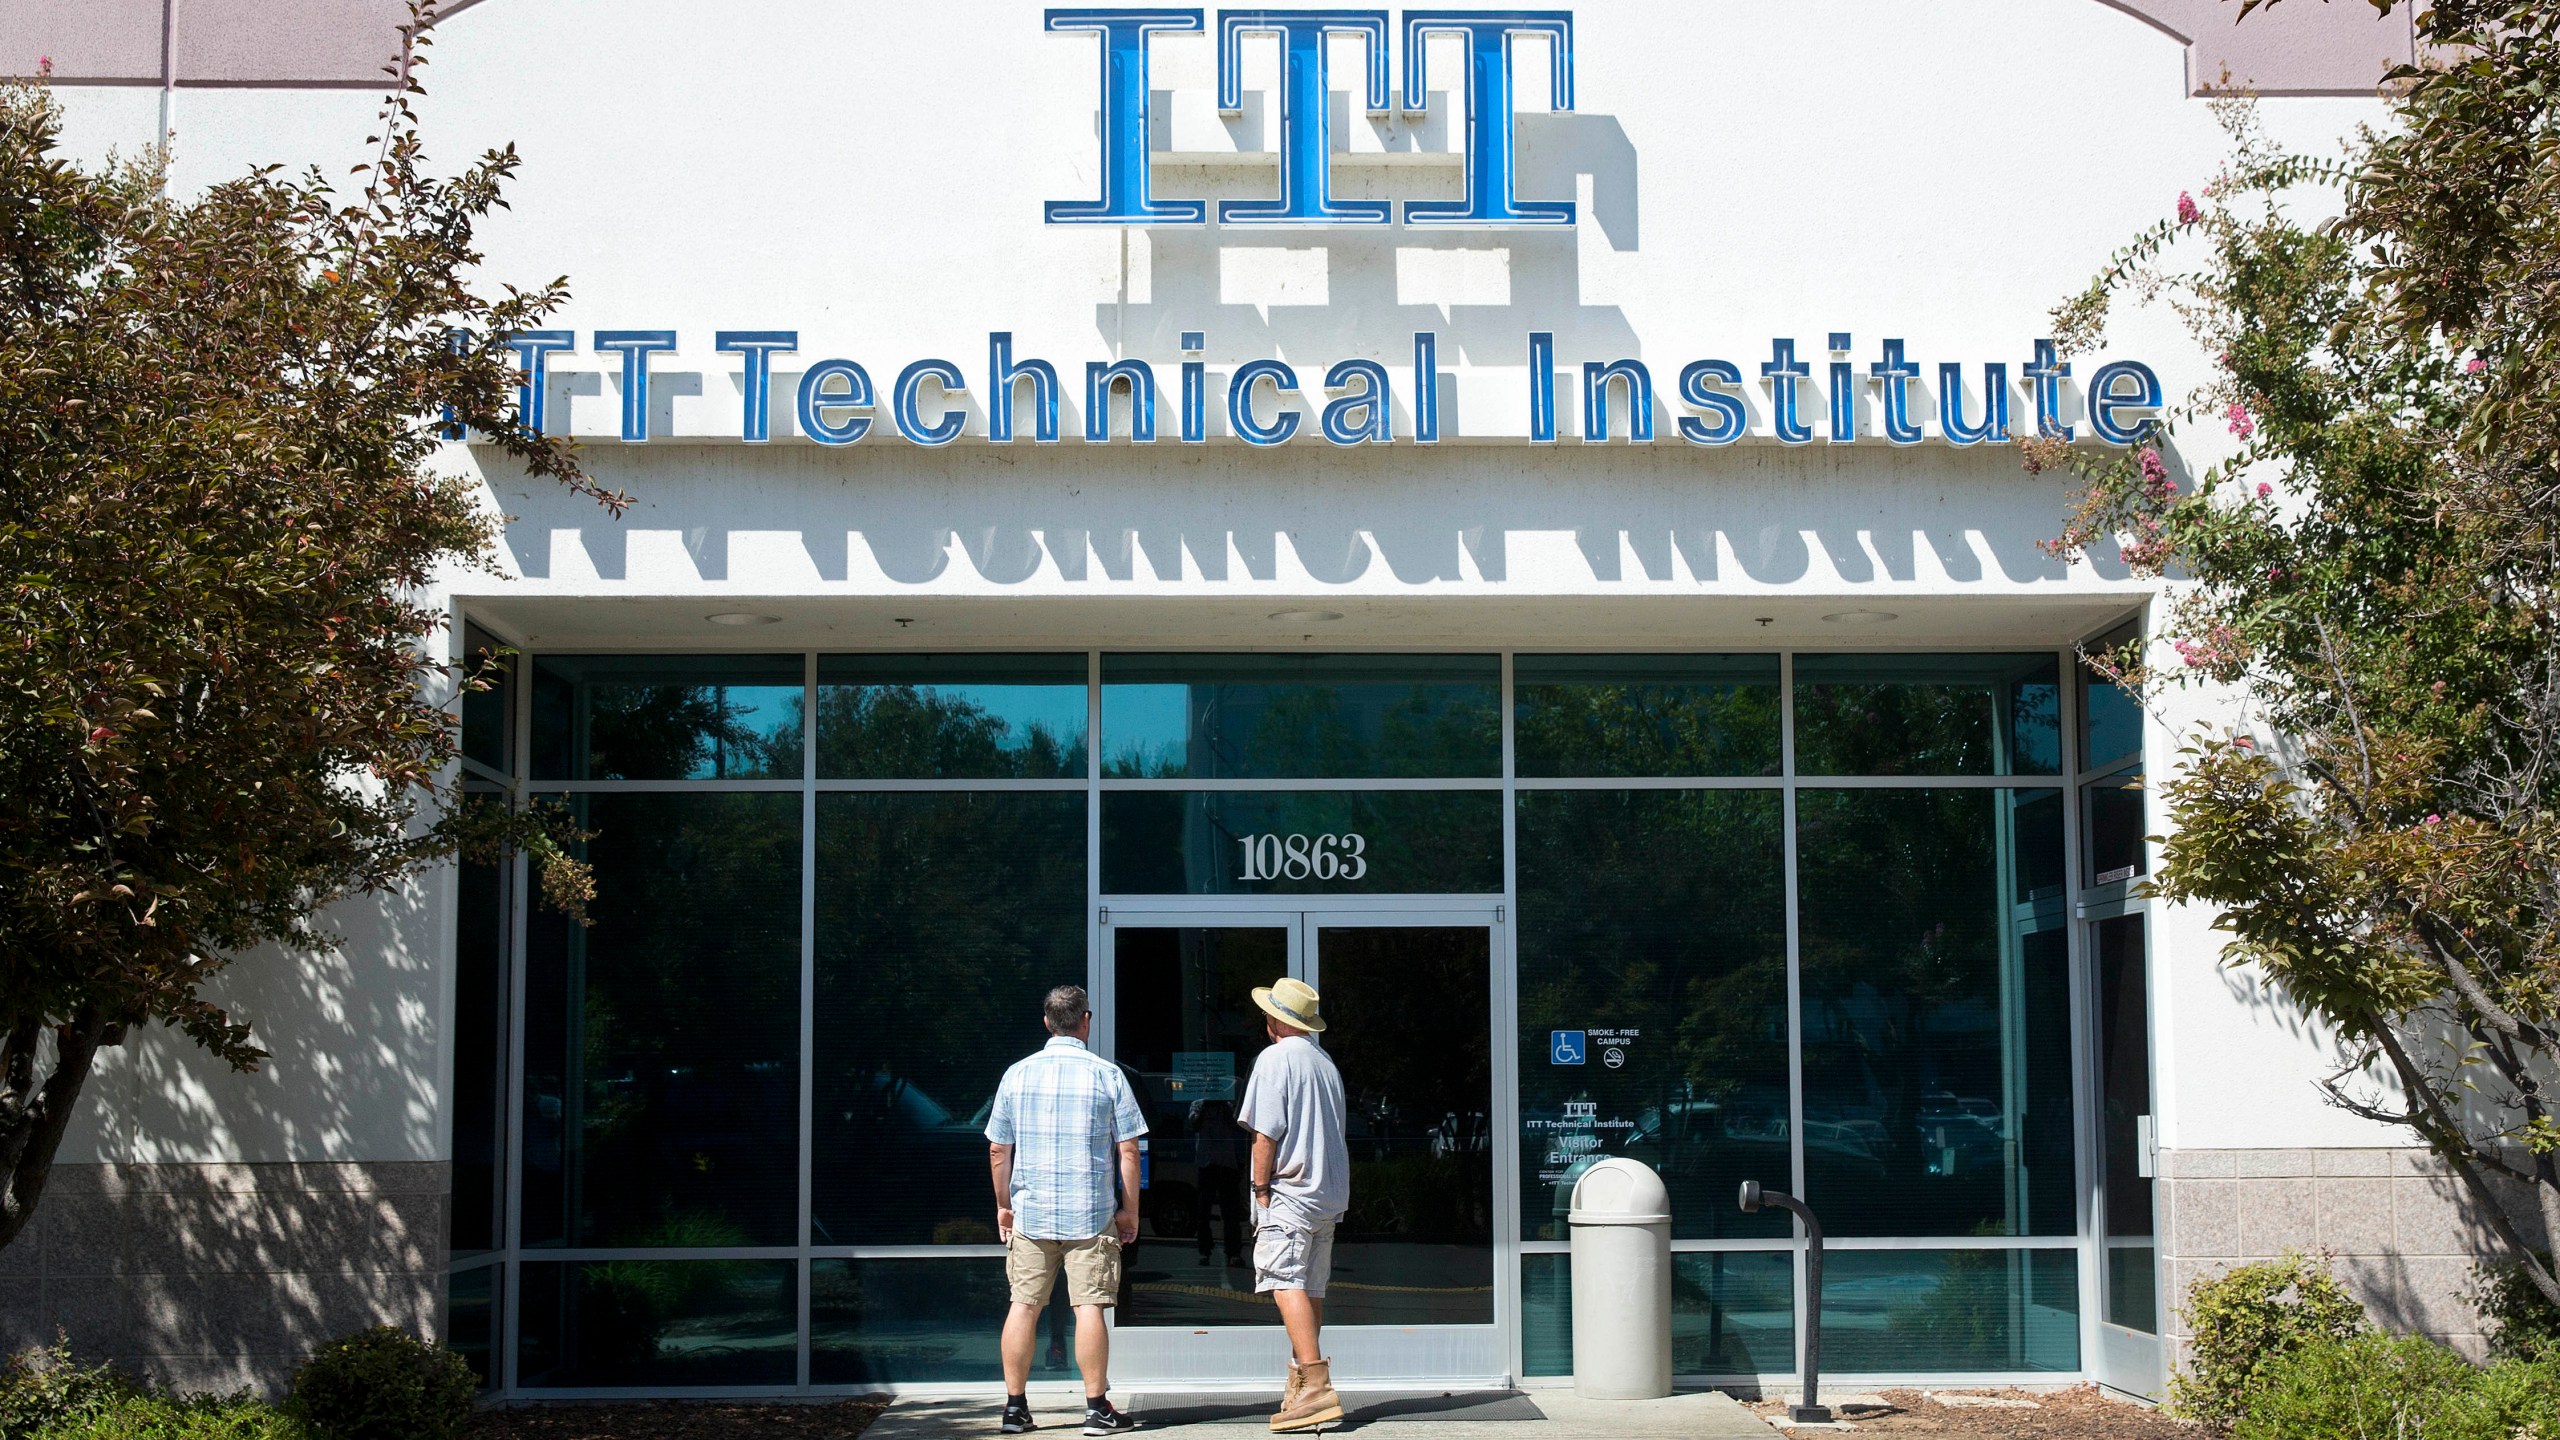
(2241, 424)
(2187, 211)
(2435, 819)
(2474, 365)
(44, 65)
(2244, 742)
(2265, 489)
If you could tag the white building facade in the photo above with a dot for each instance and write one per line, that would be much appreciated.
(1508, 515)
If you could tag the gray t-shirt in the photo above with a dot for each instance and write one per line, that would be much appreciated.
(1295, 1097)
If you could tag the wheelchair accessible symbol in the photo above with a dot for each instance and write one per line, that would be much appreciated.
(1565, 1047)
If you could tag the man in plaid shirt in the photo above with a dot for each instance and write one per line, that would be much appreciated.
(1059, 1117)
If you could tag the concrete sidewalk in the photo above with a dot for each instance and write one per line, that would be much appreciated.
(1378, 1415)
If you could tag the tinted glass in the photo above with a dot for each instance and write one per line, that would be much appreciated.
(488, 703)
(666, 717)
(1950, 1310)
(2114, 814)
(901, 1322)
(1614, 715)
(1409, 1021)
(658, 1323)
(471, 1320)
(662, 1044)
(2124, 1080)
(2110, 714)
(1653, 924)
(1287, 717)
(1936, 1012)
(479, 1030)
(1732, 1314)
(1301, 842)
(1186, 1026)
(926, 717)
(1910, 714)
(942, 921)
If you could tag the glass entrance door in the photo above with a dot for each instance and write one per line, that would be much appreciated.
(1409, 998)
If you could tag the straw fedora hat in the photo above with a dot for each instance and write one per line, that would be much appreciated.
(1291, 1002)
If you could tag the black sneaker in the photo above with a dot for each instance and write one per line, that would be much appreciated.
(1101, 1417)
(1017, 1417)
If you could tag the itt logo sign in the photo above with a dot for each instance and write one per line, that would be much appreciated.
(1305, 141)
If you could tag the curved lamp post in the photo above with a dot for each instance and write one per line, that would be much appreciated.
(1812, 1411)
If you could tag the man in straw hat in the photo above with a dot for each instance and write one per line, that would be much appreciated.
(1301, 1185)
(1062, 1117)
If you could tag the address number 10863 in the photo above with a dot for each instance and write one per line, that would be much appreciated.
(1304, 857)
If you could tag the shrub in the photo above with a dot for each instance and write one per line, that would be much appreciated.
(2521, 1321)
(2510, 1400)
(169, 1417)
(2361, 1388)
(2242, 1320)
(43, 1387)
(381, 1384)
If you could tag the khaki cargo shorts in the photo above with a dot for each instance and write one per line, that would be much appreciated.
(1292, 1254)
(1092, 1266)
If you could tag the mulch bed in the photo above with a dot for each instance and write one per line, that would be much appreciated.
(679, 1420)
(2079, 1413)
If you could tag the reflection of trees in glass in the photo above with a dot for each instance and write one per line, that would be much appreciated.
(1645, 729)
(1928, 715)
(663, 1043)
(942, 920)
(1661, 911)
(666, 718)
(1242, 730)
(1935, 1029)
(925, 732)
(1410, 1021)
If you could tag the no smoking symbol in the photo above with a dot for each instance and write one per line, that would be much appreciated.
(1614, 1057)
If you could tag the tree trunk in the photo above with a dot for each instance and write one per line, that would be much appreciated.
(31, 1127)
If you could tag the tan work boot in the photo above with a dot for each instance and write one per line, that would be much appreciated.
(1312, 1403)
(1297, 1383)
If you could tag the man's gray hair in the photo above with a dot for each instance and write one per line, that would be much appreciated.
(1065, 1008)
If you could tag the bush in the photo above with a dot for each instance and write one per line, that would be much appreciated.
(2521, 1321)
(381, 1384)
(169, 1417)
(2510, 1400)
(2243, 1320)
(43, 1388)
(2369, 1386)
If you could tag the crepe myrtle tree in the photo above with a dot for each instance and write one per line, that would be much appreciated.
(2377, 571)
(220, 709)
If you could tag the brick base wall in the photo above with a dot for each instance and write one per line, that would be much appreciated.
(215, 1277)
(2404, 1232)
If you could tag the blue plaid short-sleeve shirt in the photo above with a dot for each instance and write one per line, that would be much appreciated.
(1064, 1110)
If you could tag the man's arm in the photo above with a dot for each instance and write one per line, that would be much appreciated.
(1000, 1164)
(1127, 1221)
(1266, 1159)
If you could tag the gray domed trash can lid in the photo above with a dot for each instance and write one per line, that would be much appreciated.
(1620, 1191)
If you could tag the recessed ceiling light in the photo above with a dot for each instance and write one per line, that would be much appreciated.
(1308, 616)
(1860, 617)
(742, 617)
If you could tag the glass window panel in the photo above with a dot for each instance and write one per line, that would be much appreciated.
(488, 711)
(662, 1043)
(471, 1319)
(1611, 715)
(927, 717)
(658, 1323)
(1919, 714)
(1936, 1011)
(1732, 1314)
(900, 1322)
(1184, 1021)
(479, 1048)
(2110, 714)
(943, 918)
(666, 717)
(2113, 811)
(1950, 1311)
(2124, 1080)
(1301, 842)
(1293, 717)
(1660, 916)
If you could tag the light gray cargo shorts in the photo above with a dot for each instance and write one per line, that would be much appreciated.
(1292, 1254)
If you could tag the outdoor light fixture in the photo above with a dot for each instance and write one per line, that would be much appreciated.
(1860, 617)
(1315, 617)
(742, 617)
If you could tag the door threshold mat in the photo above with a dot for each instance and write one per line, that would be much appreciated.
(1238, 1407)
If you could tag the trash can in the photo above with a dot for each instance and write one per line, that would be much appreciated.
(1621, 1221)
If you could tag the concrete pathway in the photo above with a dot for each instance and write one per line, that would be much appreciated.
(1375, 1415)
